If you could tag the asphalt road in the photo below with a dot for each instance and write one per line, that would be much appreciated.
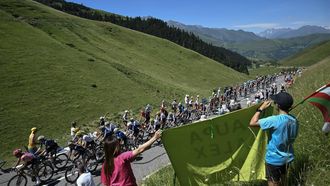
(149, 162)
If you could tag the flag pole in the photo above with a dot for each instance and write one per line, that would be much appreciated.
(301, 102)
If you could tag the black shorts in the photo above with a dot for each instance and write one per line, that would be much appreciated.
(275, 173)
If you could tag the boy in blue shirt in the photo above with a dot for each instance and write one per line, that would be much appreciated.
(283, 130)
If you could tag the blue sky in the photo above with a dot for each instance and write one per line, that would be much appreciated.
(250, 15)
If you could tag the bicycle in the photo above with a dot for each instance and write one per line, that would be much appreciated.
(71, 173)
(57, 160)
(45, 173)
(87, 156)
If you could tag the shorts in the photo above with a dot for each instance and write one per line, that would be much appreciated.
(275, 173)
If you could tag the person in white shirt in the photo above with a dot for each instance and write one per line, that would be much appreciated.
(85, 178)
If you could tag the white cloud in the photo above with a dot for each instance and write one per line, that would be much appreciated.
(300, 23)
(258, 25)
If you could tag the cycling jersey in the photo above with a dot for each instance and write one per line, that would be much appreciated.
(27, 157)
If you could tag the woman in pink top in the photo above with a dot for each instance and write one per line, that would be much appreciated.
(116, 169)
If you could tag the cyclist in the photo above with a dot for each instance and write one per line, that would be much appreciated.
(32, 148)
(102, 121)
(121, 136)
(148, 110)
(73, 128)
(28, 159)
(181, 108)
(174, 106)
(125, 117)
(197, 102)
(186, 100)
(50, 146)
(108, 129)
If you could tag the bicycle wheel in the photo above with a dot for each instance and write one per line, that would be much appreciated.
(18, 179)
(45, 172)
(60, 161)
(71, 173)
(91, 163)
(99, 153)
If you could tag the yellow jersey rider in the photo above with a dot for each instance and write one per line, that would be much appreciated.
(32, 146)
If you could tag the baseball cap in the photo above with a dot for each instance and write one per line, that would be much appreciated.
(283, 99)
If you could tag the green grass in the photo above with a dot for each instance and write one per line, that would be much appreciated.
(312, 148)
(312, 165)
(164, 176)
(56, 68)
(309, 56)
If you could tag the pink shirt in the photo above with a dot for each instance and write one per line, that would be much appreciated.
(122, 173)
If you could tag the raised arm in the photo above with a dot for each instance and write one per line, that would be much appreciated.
(254, 120)
(147, 144)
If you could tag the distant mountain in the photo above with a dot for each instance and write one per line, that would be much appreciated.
(283, 33)
(256, 47)
(219, 34)
(274, 32)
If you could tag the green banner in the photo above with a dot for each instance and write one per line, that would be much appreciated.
(218, 150)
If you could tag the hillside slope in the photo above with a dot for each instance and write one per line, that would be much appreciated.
(309, 56)
(158, 28)
(311, 165)
(56, 68)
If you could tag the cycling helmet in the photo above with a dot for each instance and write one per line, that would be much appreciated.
(115, 130)
(17, 153)
(33, 129)
(79, 133)
(41, 138)
(132, 119)
(126, 110)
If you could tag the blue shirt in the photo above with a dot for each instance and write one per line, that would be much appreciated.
(283, 130)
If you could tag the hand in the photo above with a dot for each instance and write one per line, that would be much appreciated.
(265, 105)
(158, 134)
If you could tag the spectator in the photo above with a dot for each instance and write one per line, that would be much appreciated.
(85, 177)
(116, 169)
(283, 130)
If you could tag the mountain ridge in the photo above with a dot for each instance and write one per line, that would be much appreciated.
(284, 33)
(255, 48)
(224, 34)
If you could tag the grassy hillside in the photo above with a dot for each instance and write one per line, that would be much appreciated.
(309, 56)
(312, 146)
(56, 68)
